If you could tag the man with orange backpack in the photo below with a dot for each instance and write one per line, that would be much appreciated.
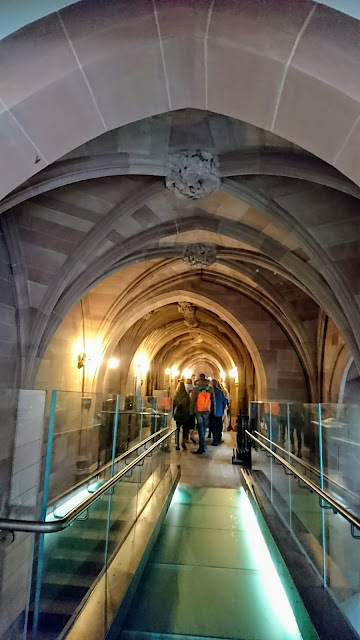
(202, 403)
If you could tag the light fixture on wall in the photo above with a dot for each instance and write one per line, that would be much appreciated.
(222, 375)
(81, 360)
(174, 371)
(141, 364)
(187, 373)
(113, 363)
(89, 355)
(233, 373)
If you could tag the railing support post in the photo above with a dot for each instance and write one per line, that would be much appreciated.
(322, 513)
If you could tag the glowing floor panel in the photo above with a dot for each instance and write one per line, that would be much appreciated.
(211, 575)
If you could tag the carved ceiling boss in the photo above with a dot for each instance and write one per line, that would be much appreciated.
(193, 174)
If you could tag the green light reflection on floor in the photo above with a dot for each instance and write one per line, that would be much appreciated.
(273, 588)
(273, 592)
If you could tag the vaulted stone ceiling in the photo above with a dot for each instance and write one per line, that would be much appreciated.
(275, 238)
(99, 225)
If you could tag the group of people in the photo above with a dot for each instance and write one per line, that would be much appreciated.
(203, 403)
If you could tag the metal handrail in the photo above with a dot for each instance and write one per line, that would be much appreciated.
(38, 526)
(308, 466)
(122, 456)
(336, 506)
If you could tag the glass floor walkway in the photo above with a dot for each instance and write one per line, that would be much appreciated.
(215, 572)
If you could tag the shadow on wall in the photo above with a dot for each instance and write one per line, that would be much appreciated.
(352, 391)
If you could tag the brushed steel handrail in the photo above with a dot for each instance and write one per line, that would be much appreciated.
(336, 506)
(38, 526)
(308, 466)
(105, 466)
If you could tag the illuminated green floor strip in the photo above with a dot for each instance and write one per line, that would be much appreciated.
(211, 575)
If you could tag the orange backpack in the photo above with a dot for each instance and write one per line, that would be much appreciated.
(203, 401)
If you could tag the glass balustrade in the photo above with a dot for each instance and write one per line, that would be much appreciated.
(63, 448)
(327, 437)
(88, 438)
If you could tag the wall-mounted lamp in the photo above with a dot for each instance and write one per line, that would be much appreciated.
(187, 373)
(141, 364)
(113, 363)
(167, 371)
(81, 360)
(89, 355)
(233, 373)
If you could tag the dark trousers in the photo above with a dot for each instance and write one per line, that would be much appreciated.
(293, 426)
(217, 429)
(212, 426)
(186, 427)
(203, 424)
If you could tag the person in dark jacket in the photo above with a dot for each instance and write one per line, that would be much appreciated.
(202, 404)
(216, 418)
(181, 413)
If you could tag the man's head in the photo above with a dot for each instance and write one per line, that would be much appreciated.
(214, 382)
(202, 375)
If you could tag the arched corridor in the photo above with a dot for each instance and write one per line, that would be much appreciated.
(179, 193)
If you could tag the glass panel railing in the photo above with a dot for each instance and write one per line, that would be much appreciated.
(81, 436)
(96, 431)
(328, 438)
(343, 566)
(274, 482)
(86, 438)
(21, 438)
(122, 504)
(294, 434)
(294, 429)
(81, 433)
(71, 561)
(341, 453)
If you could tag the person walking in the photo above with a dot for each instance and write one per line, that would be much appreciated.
(223, 388)
(189, 387)
(202, 403)
(181, 413)
(216, 418)
(297, 422)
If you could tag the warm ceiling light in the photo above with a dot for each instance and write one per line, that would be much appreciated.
(114, 363)
(174, 371)
(167, 371)
(222, 374)
(233, 373)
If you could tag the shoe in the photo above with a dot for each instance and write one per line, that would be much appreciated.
(177, 448)
(293, 451)
(299, 454)
(214, 444)
(198, 451)
(184, 446)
